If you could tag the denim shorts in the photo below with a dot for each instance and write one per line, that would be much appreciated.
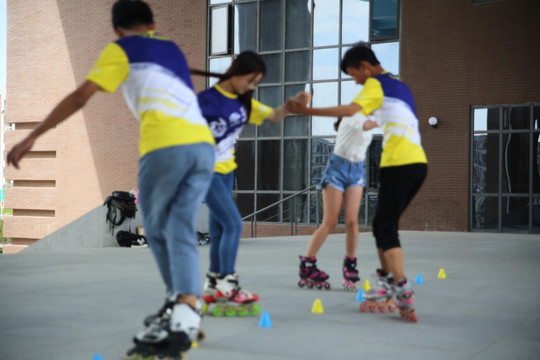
(341, 173)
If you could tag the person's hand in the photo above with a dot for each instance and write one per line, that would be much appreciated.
(297, 104)
(18, 151)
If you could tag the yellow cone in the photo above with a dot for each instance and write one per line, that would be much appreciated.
(317, 307)
(442, 274)
(194, 345)
(367, 286)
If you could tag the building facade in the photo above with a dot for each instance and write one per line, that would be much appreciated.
(472, 64)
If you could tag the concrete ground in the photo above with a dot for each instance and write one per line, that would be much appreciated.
(86, 303)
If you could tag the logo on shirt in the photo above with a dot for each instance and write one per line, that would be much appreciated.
(218, 127)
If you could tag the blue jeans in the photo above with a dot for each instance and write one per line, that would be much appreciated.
(173, 182)
(225, 224)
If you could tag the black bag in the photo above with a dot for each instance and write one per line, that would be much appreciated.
(127, 239)
(120, 205)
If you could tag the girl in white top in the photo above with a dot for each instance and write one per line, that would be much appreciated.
(343, 180)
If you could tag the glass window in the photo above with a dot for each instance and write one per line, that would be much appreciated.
(273, 68)
(515, 214)
(295, 168)
(245, 204)
(384, 22)
(219, 37)
(295, 209)
(388, 55)
(485, 209)
(349, 90)
(272, 214)
(536, 163)
(355, 21)
(291, 90)
(516, 117)
(536, 214)
(248, 131)
(515, 164)
(268, 168)
(324, 95)
(212, 2)
(245, 23)
(245, 158)
(486, 163)
(271, 32)
(374, 159)
(273, 97)
(220, 66)
(298, 23)
(296, 125)
(326, 64)
(326, 23)
(297, 66)
(321, 149)
(536, 118)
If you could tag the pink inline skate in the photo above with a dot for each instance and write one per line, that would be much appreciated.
(310, 275)
(350, 274)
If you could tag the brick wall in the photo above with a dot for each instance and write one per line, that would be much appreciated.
(74, 167)
(454, 55)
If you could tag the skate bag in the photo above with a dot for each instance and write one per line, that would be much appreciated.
(127, 239)
(120, 205)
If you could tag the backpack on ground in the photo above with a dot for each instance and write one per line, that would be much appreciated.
(120, 205)
(127, 239)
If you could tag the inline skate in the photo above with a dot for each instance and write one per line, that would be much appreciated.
(381, 297)
(405, 299)
(168, 336)
(310, 275)
(228, 297)
(350, 274)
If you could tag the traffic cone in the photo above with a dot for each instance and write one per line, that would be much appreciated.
(360, 295)
(367, 285)
(419, 280)
(317, 307)
(98, 357)
(442, 274)
(194, 345)
(265, 321)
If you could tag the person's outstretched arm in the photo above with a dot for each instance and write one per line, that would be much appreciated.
(335, 111)
(281, 111)
(65, 108)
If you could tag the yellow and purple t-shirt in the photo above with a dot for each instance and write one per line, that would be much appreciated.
(155, 79)
(226, 117)
(392, 104)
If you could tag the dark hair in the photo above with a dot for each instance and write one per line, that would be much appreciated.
(246, 62)
(336, 124)
(129, 13)
(359, 52)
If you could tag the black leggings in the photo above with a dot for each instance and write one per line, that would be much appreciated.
(398, 186)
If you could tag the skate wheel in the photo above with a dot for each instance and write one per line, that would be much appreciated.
(363, 306)
(373, 308)
(301, 283)
(319, 286)
(218, 311)
(242, 310)
(327, 286)
(383, 308)
(201, 335)
(254, 309)
(408, 314)
(310, 285)
(204, 308)
(230, 311)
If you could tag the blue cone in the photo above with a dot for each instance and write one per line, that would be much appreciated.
(360, 295)
(265, 320)
(98, 357)
(418, 279)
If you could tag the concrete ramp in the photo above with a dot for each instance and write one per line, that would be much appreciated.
(92, 231)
